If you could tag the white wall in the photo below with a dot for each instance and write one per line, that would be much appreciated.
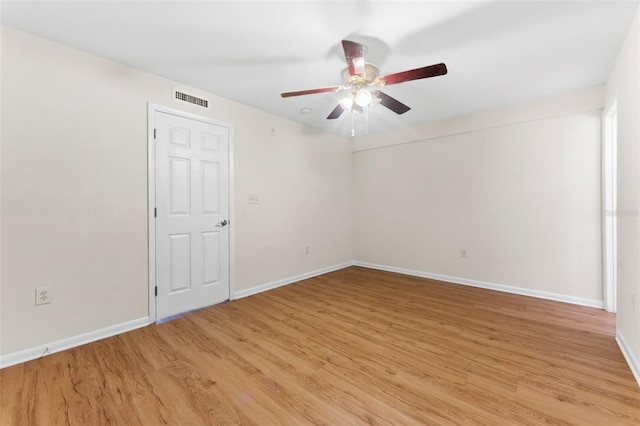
(74, 191)
(517, 188)
(624, 86)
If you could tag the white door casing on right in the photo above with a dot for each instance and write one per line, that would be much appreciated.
(610, 208)
(192, 201)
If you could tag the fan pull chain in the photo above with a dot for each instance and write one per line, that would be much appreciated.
(353, 125)
(366, 121)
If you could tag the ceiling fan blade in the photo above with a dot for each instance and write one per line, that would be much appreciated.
(311, 91)
(391, 103)
(417, 74)
(337, 112)
(354, 53)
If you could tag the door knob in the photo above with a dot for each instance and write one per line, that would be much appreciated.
(222, 224)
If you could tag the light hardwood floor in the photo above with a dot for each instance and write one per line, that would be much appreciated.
(355, 346)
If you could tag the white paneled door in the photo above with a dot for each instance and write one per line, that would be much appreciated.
(192, 202)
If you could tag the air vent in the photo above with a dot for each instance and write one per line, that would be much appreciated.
(181, 96)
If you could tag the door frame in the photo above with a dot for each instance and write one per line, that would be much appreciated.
(609, 208)
(152, 109)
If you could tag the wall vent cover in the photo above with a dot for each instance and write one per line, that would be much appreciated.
(181, 96)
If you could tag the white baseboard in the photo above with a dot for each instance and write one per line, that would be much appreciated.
(70, 342)
(490, 286)
(290, 280)
(634, 365)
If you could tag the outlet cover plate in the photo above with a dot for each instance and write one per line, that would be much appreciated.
(43, 295)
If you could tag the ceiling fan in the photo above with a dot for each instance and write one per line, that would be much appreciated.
(361, 76)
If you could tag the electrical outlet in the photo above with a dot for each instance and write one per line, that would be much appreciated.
(463, 253)
(633, 301)
(254, 199)
(306, 249)
(43, 295)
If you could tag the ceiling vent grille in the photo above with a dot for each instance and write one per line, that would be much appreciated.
(181, 96)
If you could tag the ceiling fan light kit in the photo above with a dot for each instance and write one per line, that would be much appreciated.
(360, 76)
(363, 97)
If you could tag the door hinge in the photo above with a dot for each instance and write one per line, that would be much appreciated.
(155, 212)
(154, 133)
(156, 291)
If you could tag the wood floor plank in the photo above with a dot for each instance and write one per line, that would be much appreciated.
(355, 346)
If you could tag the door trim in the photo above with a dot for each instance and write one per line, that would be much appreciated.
(151, 198)
(609, 208)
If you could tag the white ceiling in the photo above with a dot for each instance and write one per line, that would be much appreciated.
(497, 53)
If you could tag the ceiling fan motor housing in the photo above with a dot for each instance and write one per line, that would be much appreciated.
(371, 73)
